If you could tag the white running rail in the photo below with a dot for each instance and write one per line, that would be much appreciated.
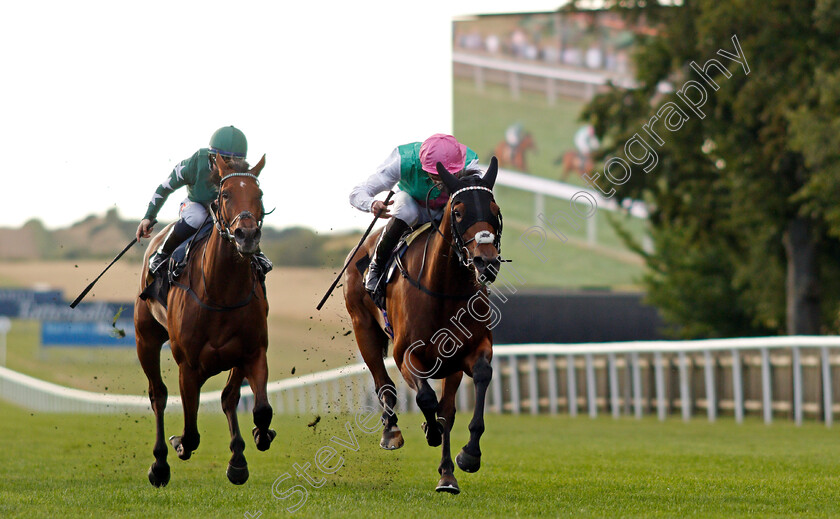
(771, 377)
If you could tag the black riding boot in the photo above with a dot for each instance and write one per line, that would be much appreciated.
(387, 241)
(179, 232)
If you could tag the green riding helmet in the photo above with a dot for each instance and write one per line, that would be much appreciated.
(229, 142)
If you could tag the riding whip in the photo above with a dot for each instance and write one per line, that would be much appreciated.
(350, 258)
(86, 290)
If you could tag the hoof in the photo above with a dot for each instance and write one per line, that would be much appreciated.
(263, 441)
(448, 484)
(434, 435)
(182, 453)
(391, 439)
(159, 474)
(237, 475)
(467, 462)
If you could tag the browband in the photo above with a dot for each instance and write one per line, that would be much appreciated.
(471, 188)
(239, 175)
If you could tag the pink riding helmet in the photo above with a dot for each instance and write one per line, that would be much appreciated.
(444, 149)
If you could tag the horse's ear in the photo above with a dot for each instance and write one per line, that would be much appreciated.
(224, 169)
(489, 177)
(452, 184)
(260, 165)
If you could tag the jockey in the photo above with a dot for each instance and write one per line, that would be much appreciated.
(412, 168)
(196, 173)
(513, 138)
(586, 142)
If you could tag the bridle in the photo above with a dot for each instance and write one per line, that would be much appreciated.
(481, 214)
(220, 220)
(458, 244)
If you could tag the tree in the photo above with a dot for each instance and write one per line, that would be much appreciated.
(744, 225)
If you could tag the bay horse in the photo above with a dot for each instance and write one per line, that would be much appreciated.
(215, 320)
(445, 276)
(514, 158)
(572, 162)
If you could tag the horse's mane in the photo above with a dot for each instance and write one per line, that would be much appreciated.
(471, 176)
(238, 165)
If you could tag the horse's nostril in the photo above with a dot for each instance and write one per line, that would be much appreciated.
(479, 263)
(239, 234)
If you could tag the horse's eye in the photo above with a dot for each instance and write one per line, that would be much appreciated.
(225, 195)
(457, 214)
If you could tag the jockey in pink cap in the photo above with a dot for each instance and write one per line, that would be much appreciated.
(412, 168)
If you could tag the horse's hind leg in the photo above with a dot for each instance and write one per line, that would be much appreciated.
(190, 382)
(373, 343)
(257, 374)
(469, 459)
(446, 412)
(150, 336)
(237, 471)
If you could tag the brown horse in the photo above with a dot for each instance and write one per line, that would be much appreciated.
(571, 161)
(215, 320)
(515, 157)
(443, 282)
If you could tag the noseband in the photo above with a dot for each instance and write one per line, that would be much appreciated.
(221, 221)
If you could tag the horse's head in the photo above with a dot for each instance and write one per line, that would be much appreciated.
(239, 208)
(476, 220)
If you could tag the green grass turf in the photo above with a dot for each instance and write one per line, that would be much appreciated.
(95, 466)
(481, 117)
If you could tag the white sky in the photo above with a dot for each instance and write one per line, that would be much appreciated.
(99, 100)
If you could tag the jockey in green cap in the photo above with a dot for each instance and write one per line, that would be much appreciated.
(412, 168)
(197, 172)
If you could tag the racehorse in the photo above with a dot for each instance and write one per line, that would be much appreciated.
(514, 158)
(215, 320)
(444, 278)
(571, 161)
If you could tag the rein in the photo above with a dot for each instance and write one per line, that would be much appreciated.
(416, 282)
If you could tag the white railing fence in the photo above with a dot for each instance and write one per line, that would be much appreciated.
(543, 187)
(771, 377)
(522, 75)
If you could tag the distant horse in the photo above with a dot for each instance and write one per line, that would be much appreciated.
(215, 320)
(514, 158)
(571, 161)
(444, 278)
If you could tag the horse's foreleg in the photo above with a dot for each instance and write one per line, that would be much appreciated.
(237, 471)
(446, 412)
(427, 402)
(257, 374)
(469, 459)
(190, 382)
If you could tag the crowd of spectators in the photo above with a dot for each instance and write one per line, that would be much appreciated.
(597, 41)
